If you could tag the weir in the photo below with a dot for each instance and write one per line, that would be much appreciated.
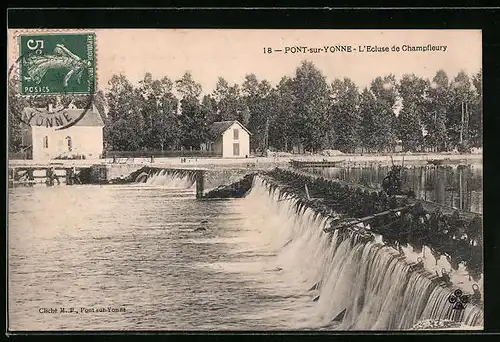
(213, 184)
(351, 269)
(355, 247)
(457, 235)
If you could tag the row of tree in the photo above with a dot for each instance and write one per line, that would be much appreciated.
(304, 111)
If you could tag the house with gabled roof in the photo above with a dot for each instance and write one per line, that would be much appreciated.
(229, 139)
(63, 133)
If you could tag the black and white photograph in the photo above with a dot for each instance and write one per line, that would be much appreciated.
(244, 179)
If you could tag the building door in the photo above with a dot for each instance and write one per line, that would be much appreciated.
(236, 149)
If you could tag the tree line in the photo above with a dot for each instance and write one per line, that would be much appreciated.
(305, 111)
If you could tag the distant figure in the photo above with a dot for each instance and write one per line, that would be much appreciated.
(51, 176)
(114, 159)
(74, 177)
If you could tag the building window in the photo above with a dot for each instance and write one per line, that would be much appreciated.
(236, 149)
(70, 143)
(45, 142)
(236, 134)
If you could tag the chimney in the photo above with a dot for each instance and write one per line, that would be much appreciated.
(50, 107)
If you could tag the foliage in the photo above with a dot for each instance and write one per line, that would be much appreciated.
(412, 91)
(300, 113)
(345, 114)
(192, 120)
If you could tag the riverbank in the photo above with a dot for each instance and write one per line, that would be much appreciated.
(265, 162)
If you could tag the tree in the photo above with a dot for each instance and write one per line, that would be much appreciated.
(476, 113)
(192, 120)
(250, 94)
(230, 104)
(187, 87)
(159, 111)
(149, 98)
(461, 99)
(209, 108)
(412, 91)
(192, 123)
(166, 128)
(367, 128)
(437, 106)
(16, 106)
(124, 123)
(282, 129)
(383, 120)
(345, 117)
(256, 96)
(311, 107)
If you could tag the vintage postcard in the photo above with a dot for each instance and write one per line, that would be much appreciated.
(271, 180)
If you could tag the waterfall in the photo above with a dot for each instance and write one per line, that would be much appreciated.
(164, 178)
(342, 271)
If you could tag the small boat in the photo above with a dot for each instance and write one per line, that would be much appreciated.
(436, 161)
(448, 161)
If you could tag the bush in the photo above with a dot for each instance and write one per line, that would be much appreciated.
(464, 147)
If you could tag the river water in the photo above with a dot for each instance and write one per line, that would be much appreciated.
(134, 248)
(132, 257)
(458, 186)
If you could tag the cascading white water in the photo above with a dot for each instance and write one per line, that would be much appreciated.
(367, 279)
(169, 180)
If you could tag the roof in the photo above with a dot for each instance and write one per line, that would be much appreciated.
(91, 117)
(219, 127)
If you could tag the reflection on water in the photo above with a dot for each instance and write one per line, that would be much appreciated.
(458, 186)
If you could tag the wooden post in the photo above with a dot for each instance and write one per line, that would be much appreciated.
(103, 174)
(30, 174)
(307, 192)
(200, 180)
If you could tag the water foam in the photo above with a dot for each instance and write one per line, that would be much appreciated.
(171, 181)
(368, 279)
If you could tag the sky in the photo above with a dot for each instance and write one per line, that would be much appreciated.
(231, 54)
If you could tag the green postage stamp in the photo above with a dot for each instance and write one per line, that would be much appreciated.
(57, 63)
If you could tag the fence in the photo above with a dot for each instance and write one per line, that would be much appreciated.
(159, 154)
